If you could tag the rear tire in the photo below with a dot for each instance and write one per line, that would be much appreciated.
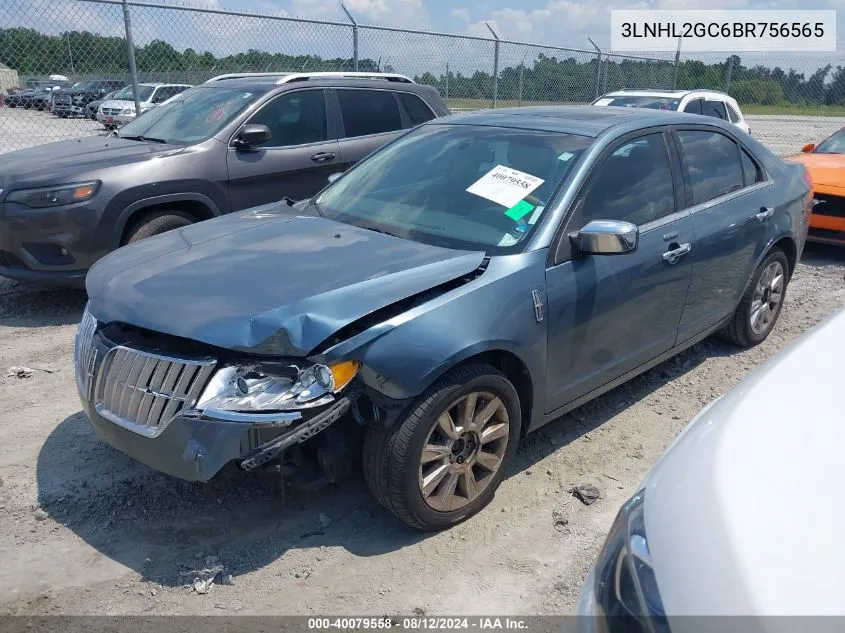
(156, 224)
(430, 481)
(761, 303)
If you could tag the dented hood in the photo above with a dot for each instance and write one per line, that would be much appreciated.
(264, 281)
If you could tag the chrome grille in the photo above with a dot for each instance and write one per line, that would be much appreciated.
(61, 99)
(85, 354)
(111, 111)
(142, 392)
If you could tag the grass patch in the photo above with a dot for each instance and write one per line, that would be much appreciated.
(803, 110)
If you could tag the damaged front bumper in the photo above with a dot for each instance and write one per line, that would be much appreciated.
(194, 446)
(145, 404)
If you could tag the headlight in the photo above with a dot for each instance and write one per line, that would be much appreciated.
(625, 586)
(128, 111)
(276, 386)
(54, 196)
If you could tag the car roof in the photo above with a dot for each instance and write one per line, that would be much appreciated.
(271, 83)
(580, 120)
(680, 94)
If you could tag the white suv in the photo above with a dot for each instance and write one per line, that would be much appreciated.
(705, 102)
(121, 109)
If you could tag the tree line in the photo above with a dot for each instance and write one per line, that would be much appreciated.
(545, 78)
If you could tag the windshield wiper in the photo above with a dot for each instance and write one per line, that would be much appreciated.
(145, 138)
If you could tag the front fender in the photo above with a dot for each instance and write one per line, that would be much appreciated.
(404, 355)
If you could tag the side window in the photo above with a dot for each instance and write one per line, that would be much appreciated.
(294, 118)
(417, 110)
(163, 94)
(634, 184)
(368, 112)
(713, 163)
(694, 106)
(715, 109)
(750, 172)
(732, 114)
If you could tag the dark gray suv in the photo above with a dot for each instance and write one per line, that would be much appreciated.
(234, 142)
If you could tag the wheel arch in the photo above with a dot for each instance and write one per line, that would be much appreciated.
(787, 244)
(196, 205)
(508, 362)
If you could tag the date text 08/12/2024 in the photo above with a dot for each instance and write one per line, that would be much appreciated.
(417, 623)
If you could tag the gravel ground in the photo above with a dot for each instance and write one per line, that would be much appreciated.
(84, 530)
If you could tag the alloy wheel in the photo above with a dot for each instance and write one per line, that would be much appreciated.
(767, 298)
(463, 451)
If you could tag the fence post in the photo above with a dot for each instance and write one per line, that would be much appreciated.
(354, 37)
(495, 65)
(729, 73)
(597, 91)
(130, 53)
(675, 70)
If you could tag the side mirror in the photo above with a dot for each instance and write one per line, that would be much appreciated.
(809, 147)
(251, 136)
(606, 237)
(334, 176)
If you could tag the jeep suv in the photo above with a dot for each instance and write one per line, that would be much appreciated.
(234, 142)
(72, 101)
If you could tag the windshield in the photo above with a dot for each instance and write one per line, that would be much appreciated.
(84, 85)
(193, 116)
(144, 93)
(833, 144)
(467, 187)
(655, 103)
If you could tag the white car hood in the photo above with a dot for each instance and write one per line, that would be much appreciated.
(744, 514)
(118, 103)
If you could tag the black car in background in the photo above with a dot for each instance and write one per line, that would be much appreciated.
(73, 101)
(39, 98)
(234, 142)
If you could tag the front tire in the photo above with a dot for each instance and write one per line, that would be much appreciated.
(761, 304)
(156, 224)
(443, 459)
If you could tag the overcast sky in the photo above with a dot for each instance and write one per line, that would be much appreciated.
(552, 22)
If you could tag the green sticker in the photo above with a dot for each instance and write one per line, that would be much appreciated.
(519, 210)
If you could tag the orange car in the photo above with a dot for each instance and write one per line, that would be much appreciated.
(826, 164)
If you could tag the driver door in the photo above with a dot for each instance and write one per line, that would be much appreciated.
(610, 314)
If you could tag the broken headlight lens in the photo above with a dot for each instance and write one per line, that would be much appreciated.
(276, 387)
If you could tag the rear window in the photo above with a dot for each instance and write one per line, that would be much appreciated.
(417, 110)
(655, 103)
(713, 162)
(368, 112)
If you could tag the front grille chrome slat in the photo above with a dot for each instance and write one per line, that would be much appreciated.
(85, 354)
(143, 392)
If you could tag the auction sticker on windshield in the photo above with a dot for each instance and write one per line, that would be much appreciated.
(505, 186)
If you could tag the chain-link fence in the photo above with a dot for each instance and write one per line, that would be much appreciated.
(104, 44)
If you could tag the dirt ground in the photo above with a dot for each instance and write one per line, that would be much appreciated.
(84, 530)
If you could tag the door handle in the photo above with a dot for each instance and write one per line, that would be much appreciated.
(765, 213)
(676, 253)
(322, 157)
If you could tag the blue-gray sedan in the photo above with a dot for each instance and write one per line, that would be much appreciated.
(465, 284)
